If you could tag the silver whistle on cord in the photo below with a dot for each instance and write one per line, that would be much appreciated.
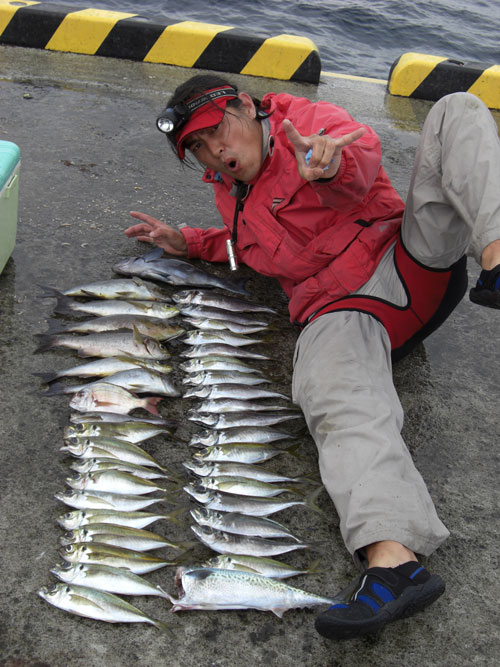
(233, 262)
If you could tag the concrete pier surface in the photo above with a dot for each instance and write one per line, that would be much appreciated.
(90, 154)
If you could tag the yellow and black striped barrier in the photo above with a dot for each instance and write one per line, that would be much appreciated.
(431, 77)
(187, 43)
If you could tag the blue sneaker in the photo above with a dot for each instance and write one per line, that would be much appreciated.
(487, 289)
(380, 596)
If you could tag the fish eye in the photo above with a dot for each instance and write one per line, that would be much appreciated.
(81, 566)
(67, 589)
(79, 427)
(206, 530)
(52, 588)
(69, 548)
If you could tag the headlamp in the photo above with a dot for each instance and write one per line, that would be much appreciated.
(173, 119)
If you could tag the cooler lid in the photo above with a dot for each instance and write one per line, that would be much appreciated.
(9, 157)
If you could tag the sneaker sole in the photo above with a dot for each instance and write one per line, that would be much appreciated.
(485, 297)
(408, 603)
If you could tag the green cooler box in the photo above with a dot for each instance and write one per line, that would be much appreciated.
(10, 164)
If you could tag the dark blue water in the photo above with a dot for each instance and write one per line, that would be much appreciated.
(360, 38)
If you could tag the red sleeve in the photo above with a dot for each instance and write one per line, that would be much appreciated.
(208, 244)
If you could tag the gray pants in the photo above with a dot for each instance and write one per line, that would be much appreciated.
(342, 366)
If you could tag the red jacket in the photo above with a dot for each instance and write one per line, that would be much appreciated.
(322, 240)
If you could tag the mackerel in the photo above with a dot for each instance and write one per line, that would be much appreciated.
(248, 418)
(221, 325)
(137, 539)
(251, 471)
(221, 350)
(133, 432)
(257, 434)
(114, 481)
(106, 366)
(209, 589)
(77, 518)
(267, 567)
(242, 452)
(133, 288)
(209, 378)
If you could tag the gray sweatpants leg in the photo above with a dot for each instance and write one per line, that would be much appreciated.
(342, 367)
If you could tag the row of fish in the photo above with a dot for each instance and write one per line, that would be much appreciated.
(105, 550)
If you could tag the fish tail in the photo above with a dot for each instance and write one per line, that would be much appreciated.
(163, 593)
(311, 500)
(54, 327)
(49, 291)
(293, 450)
(58, 388)
(46, 377)
(174, 514)
(64, 305)
(151, 403)
(314, 567)
(161, 625)
(46, 342)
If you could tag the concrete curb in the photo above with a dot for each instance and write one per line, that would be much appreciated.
(186, 44)
(431, 77)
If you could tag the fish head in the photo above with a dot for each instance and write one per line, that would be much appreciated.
(198, 467)
(84, 401)
(74, 553)
(70, 537)
(65, 571)
(70, 520)
(207, 437)
(201, 515)
(183, 297)
(198, 492)
(84, 465)
(204, 533)
(208, 453)
(52, 592)
(77, 481)
(132, 266)
(75, 446)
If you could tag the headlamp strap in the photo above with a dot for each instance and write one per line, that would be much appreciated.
(210, 96)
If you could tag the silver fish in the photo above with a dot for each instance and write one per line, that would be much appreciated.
(115, 418)
(98, 465)
(244, 486)
(244, 452)
(221, 314)
(77, 518)
(241, 524)
(133, 288)
(209, 378)
(222, 405)
(106, 578)
(106, 397)
(152, 327)
(107, 307)
(216, 363)
(137, 562)
(267, 567)
(215, 300)
(107, 344)
(226, 543)
(210, 589)
(257, 434)
(137, 539)
(104, 500)
(128, 431)
(227, 502)
(196, 337)
(109, 448)
(221, 350)
(106, 366)
(237, 391)
(229, 469)
(233, 419)
(114, 481)
(173, 271)
(137, 380)
(221, 325)
(99, 605)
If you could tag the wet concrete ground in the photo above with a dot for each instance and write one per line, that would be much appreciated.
(90, 154)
